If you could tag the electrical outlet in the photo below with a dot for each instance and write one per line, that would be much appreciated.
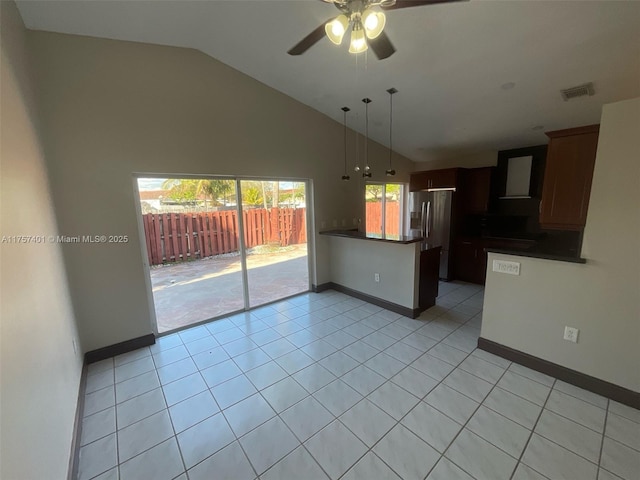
(571, 334)
(323, 224)
(376, 277)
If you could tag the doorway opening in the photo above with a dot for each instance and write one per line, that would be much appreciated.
(215, 246)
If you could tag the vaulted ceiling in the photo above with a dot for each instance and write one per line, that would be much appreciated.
(453, 66)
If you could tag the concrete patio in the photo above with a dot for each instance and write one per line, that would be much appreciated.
(191, 292)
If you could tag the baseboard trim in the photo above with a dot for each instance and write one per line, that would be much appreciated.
(77, 427)
(320, 288)
(119, 348)
(394, 307)
(582, 380)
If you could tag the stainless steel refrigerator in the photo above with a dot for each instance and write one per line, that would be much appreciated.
(430, 217)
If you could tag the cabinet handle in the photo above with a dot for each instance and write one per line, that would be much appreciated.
(540, 208)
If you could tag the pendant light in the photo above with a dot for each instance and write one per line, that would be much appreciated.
(367, 169)
(345, 177)
(373, 23)
(358, 42)
(336, 28)
(391, 172)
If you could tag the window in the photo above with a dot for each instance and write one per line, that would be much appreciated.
(384, 206)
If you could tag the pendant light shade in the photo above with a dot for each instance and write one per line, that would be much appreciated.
(367, 169)
(390, 171)
(373, 23)
(336, 28)
(345, 177)
(358, 41)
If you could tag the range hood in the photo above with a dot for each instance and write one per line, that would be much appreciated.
(518, 177)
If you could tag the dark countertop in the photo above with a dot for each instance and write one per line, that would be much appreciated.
(537, 252)
(400, 239)
(527, 246)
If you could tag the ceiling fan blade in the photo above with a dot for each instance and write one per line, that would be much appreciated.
(417, 3)
(307, 42)
(382, 46)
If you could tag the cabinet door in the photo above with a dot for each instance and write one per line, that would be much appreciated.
(567, 180)
(476, 190)
(464, 260)
(445, 178)
(418, 181)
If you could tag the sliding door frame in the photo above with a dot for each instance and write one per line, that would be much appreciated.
(241, 228)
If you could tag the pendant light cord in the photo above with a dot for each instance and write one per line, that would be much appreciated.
(345, 139)
(367, 169)
(390, 127)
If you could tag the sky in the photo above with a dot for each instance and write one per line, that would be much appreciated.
(145, 184)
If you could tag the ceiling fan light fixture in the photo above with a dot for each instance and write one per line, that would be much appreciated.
(336, 28)
(358, 41)
(373, 22)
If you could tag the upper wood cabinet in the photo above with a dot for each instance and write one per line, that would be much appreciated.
(445, 178)
(475, 185)
(567, 180)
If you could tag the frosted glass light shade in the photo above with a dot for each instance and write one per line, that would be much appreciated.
(373, 23)
(336, 28)
(358, 42)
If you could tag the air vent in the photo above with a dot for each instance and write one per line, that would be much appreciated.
(579, 91)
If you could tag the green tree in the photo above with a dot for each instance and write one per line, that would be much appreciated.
(252, 196)
(189, 190)
(373, 192)
(393, 191)
(181, 190)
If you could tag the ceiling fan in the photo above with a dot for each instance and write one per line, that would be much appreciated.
(366, 22)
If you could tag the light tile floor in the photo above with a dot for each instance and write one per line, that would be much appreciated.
(327, 386)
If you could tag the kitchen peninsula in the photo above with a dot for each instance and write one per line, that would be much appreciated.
(399, 273)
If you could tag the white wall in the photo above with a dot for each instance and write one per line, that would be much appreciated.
(601, 298)
(354, 263)
(112, 108)
(40, 374)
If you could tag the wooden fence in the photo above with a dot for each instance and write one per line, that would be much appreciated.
(177, 237)
(374, 217)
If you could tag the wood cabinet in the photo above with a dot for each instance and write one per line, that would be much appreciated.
(429, 281)
(445, 178)
(469, 261)
(475, 186)
(470, 256)
(567, 180)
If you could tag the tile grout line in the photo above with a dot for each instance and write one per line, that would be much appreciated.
(275, 360)
(444, 451)
(533, 429)
(337, 418)
(398, 422)
(604, 430)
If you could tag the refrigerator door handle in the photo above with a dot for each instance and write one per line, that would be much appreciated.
(423, 217)
(428, 232)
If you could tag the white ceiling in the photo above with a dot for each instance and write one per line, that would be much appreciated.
(450, 64)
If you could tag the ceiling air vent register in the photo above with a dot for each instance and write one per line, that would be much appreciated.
(579, 91)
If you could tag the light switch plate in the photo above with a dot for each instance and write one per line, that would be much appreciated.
(503, 266)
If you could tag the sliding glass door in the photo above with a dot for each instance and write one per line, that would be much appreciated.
(275, 224)
(215, 246)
